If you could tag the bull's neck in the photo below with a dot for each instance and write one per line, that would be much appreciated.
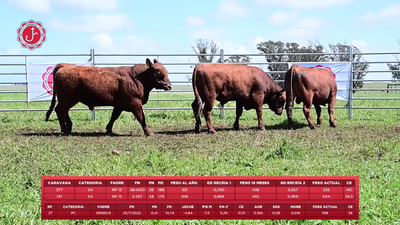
(147, 85)
(275, 89)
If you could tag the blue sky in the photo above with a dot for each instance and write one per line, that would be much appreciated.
(149, 27)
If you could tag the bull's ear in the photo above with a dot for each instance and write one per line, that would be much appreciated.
(281, 92)
(155, 61)
(148, 63)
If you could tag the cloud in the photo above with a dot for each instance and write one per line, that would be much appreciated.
(32, 5)
(279, 18)
(214, 33)
(390, 14)
(103, 41)
(234, 48)
(194, 21)
(307, 27)
(259, 40)
(228, 9)
(310, 23)
(362, 45)
(304, 4)
(90, 4)
(137, 44)
(126, 45)
(97, 23)
(45, 5)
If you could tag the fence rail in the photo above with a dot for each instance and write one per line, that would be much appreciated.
(186, 68)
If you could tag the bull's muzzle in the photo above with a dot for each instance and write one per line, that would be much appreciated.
(168, 87)
(279, 112)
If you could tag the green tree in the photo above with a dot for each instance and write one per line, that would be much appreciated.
(243, 59)
(360, 66)
(205, 46)
(395, 66)
(284, 49)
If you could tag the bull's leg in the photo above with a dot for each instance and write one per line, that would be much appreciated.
(330, 111)
(68, 120)
(207, 114)
(138, 112)
(114, 116)
(61, 110)
(196, 106)
(239, 111)
(318, 110)
(259, 116)
(307, 111)
(289, 112)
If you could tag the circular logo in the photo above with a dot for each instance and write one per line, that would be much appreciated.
(31, 34)
(47, 78)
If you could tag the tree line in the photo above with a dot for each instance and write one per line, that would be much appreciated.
(279, 51)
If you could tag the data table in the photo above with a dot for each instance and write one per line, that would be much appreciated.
(207, 198)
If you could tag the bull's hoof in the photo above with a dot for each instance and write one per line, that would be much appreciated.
(110, 133)
(212, 131)
(312, 127)
(150, 133)
(236, 128)
(65, 133)
(262, 128)
(197, 129)
(333, 124)
(319, 123)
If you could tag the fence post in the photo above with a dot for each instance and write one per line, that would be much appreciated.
(92, 58)
(27, 84)
(221, 107)
(351, 83)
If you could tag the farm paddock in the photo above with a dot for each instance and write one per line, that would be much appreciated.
(367, 146)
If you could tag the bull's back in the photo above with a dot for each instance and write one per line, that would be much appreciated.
(93, 86)
(225, 78)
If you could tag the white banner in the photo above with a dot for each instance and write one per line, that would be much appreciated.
(342, 73)
(40, 80)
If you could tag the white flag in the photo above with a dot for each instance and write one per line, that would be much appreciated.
(40, 80)
(341, 72)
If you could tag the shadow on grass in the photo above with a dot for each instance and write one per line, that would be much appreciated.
(77, 134)
(281, 126)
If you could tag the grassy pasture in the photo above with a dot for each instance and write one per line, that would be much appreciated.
(367, 146)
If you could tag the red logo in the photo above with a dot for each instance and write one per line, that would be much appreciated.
(31, 34)
(47, 78)
(325, 67)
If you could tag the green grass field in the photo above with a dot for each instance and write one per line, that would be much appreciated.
(367, 146)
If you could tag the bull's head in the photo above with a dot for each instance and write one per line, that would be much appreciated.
(160, 75)
(277, 102)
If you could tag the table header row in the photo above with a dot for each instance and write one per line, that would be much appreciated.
(199, 183)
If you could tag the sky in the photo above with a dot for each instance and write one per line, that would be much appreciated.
(171, 27)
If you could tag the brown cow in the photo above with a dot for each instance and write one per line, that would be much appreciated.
(249, 86)
(126, 88)
(310, 86)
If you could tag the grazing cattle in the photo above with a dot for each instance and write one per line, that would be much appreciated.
(310, 86)
(126, 88)
(249, 86)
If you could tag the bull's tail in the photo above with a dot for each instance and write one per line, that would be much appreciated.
(289, 95)
(289, 84)
(53, 100)
(197, 103)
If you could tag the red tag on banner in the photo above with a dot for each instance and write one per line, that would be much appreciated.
(200, 198)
